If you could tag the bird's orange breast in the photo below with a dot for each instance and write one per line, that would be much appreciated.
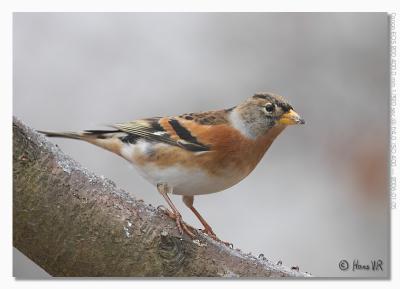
(230, 153)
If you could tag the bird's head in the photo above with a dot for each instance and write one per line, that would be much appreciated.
(263, 111)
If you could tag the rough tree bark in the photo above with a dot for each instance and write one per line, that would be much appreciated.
(74, 223)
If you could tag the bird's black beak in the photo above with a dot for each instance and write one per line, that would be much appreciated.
(290, 117)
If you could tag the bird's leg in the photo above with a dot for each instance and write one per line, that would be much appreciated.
(188, 200)
(164, 189)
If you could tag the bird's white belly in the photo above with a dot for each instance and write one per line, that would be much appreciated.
(185, 181)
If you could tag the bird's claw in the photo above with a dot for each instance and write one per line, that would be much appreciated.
(166, 211)
(213, 236)
(182, 226)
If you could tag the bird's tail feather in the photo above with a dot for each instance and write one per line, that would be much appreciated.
(83, 135)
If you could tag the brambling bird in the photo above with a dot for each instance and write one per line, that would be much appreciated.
(196, 153)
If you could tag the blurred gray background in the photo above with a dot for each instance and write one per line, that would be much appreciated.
(320, 194)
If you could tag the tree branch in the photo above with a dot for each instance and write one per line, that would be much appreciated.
(74, 223)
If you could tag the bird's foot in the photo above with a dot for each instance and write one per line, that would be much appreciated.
(166, 211)
(212, 235)
(182, 226)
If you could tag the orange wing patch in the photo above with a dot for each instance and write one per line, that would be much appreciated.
(164, 122)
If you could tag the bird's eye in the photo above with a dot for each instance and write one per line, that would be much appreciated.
(269, 107)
